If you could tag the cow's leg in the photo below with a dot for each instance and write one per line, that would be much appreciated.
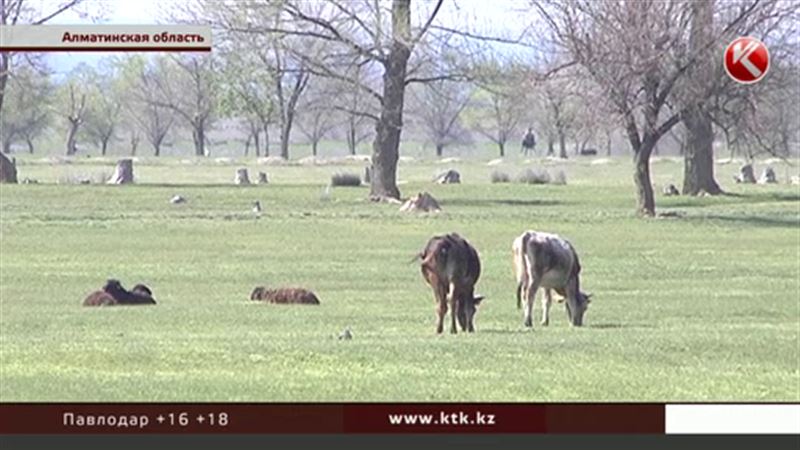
(530, 296)
(441, 306)
(572, 303)
(453, 308)
(547, 300)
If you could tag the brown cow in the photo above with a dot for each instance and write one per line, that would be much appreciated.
(114, 294)
(451, 267)
(285, 296)
(549, 261)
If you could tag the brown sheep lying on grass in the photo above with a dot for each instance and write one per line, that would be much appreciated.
(114, 294)
(284, 296)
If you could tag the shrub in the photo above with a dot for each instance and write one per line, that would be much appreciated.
(345, 179)
(531, 176)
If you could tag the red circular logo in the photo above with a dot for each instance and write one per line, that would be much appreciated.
(746, 60)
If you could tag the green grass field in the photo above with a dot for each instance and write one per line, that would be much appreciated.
(705, 306)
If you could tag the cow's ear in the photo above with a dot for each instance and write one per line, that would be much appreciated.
(478, 299)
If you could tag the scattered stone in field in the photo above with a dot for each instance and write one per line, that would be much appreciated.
(271, 161)
(284, 296)
(560, 178)
(449, 176)
(345, 335)
(359, 158)
(311, 161)
(768, 176)
(795, 179)
(345, 179)
(449, 160)
(177, 199)
(670, 190)
(601, 161)
(256, 207)
(771, 161)
(27, 180)
(423, 202)
(495, 162)
(407, 159)
(499, 177)
(262, 178)
(123, 173)
(223, 160)
(746, 175)
(326, 193)
(241, 176)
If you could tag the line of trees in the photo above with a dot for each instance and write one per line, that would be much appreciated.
(360, 70)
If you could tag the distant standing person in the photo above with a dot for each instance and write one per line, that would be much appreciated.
(529, 142)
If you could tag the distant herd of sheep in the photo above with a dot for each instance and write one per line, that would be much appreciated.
(451, 267)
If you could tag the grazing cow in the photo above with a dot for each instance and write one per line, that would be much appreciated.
(114, 294)
(588, 152)
(451, 267)
(285, 296)
(549, 261)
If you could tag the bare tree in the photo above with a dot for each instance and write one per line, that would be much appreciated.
(103, 113)
(438, 106)
(636, 52)
(27, 112)
(18, 12)
(362, 32)
(316, 118)
(187, 88)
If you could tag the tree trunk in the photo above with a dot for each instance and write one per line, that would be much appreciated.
(439, 150)
(698, 168)
(608, 145)
(351, 138)
(314, 145)
(266, 140)
(29, 141)
(286, 130)
(103, 146)
(386, 147)
(562, 145)
(256, 142)
(72, 137)
(8, 170)
(550, 146)
(502, 146)
(134, 145)
(7, 145)
(199, 138)
(645, 202)
(247, 145)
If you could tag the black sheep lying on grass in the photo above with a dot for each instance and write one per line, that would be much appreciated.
(114, 294)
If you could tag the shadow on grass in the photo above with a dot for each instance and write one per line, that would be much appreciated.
(490, 202)
(616, 326)
(754, 221)
(760, 197)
